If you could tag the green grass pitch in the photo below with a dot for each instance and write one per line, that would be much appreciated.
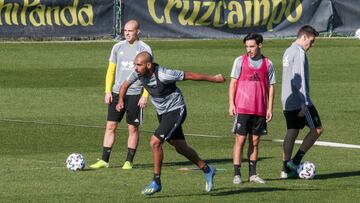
(51, 105)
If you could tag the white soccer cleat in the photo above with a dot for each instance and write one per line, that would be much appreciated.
(256, 179)
(237, 180)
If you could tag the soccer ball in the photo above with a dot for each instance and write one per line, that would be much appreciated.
(306, 170)
(357, 33)
(75, 162)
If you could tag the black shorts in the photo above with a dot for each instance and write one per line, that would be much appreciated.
(170, 125)
(311, 119)
(133, 111)
(245, 124)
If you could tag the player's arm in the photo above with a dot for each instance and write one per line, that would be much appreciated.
(235, 74)
(271, 91)
(123, 89)
(219, 78)
(143, 100)
(298, 82)
(232, 89)
(109, 80)
(270, 104)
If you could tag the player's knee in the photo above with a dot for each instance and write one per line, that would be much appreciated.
(110, 127)
(319, 131)
(255, 141)
(133, 130)
(155, 144)
(240, 140)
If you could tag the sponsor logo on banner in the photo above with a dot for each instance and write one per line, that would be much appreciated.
(26, 18)
(229, 13)
(231, 18)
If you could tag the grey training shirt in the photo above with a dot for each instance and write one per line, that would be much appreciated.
(295, 79)
(171, 102)
(123, 55)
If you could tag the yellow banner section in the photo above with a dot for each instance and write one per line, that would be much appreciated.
(36, 14)
(235, 18)
(57, 18)
(232, 14)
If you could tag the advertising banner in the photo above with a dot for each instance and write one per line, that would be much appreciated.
(56, 18)
(346, 15)
(231, 18)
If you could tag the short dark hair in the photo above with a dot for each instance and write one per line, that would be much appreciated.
(254, 36)
(308, 31)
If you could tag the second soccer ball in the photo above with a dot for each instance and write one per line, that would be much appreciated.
(306, 170)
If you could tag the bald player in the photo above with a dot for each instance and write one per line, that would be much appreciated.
(121, 65)
(168, 100)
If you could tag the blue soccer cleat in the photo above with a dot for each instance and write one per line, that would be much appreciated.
(209, 178)
(152, 188)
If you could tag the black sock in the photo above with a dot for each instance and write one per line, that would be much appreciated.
(237, 170)
(285, 168)
(130, 154)
(297, 158)
(252, 168)
(106, 154)
(206, 168)
(157, 178)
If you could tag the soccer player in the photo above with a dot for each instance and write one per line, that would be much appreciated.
(295, 97)
(168, 100)
(251, 97)
(121, 65)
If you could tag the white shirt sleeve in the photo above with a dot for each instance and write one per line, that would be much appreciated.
(236, 68)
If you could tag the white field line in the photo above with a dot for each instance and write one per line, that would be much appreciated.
(91, 126)
(319, 143)
(51, 123)
(200, 135)
(327, 144)
(34, 168)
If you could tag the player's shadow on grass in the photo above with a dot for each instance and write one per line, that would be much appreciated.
(324, 176)
(87, 170)
(231, 191)
(189, 163)
(337, 175)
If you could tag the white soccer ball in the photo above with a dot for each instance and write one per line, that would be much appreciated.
(75, 162)
(306, 170)
(357, 33)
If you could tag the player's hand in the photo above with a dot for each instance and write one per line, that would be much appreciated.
(120, 105)
(269, 116)
(219, 78)
(232, 111)
(302, 111)
(108, 98)
(142, 102)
